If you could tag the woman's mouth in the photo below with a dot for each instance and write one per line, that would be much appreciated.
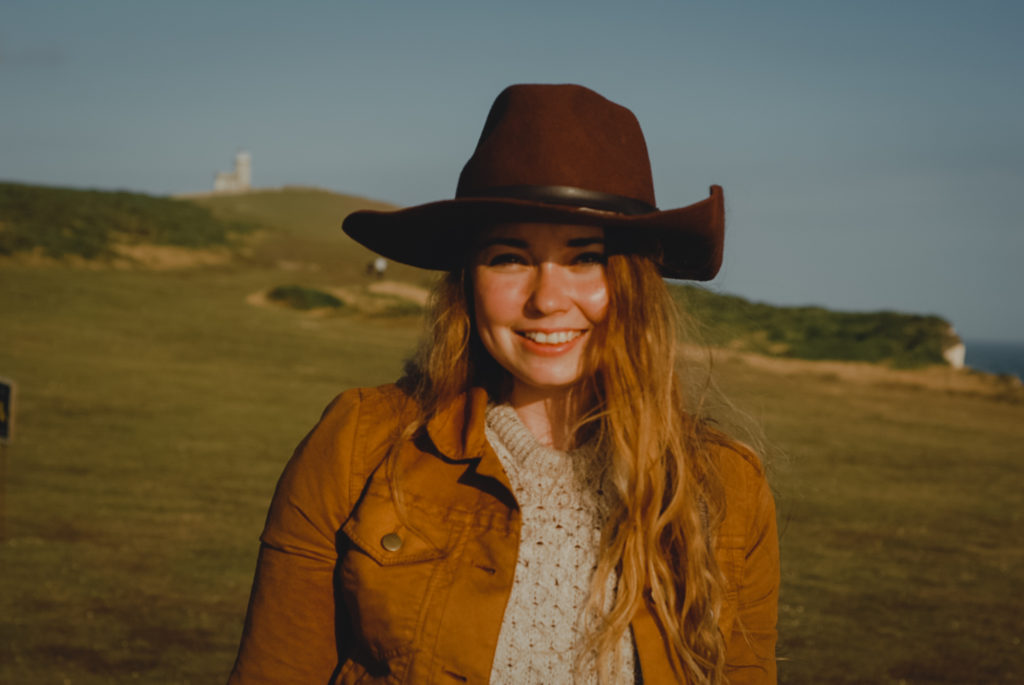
(551, 337)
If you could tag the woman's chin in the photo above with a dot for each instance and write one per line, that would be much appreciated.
(543, 388)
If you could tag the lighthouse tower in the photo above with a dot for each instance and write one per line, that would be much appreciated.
(237, 181)
(243, 170)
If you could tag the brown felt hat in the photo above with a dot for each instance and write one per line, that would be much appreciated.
(559, 154)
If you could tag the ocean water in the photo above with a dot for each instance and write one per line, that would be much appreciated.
(996, 357)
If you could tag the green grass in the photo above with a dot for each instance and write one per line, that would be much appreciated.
(157, 410)
(900, 513)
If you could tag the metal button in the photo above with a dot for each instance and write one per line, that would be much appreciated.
(391, 542)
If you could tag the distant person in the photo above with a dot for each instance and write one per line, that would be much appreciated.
(377, 267)
(535, 501)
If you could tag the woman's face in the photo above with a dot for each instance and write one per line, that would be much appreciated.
(539, 291)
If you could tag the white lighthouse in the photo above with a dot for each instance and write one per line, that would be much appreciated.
(237, 181)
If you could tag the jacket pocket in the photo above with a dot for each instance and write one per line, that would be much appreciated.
(390, 576)
(378, 531)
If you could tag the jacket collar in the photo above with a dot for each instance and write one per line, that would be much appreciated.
(457, 431)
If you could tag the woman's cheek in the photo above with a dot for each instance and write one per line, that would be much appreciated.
(497, 301)
(595, 304)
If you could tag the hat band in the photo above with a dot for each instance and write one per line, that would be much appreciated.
(568, 195)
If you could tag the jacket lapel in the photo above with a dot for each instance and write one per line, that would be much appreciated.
(457, 431)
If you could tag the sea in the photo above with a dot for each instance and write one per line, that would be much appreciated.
(996, 357)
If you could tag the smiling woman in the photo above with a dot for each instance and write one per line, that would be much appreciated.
(535, 501)
(539, 291)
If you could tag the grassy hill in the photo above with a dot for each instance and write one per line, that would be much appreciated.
(302, 232)
(297, 230)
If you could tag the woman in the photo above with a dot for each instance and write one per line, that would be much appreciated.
(533, 502)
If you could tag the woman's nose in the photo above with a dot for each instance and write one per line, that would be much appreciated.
(550, 289)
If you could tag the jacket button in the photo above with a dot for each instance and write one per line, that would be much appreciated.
(391, 542)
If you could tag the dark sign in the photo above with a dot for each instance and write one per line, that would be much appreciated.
(6, 410)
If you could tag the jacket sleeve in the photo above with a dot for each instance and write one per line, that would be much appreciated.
(750, 651)
(289, 634)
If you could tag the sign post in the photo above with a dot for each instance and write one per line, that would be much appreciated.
(6, 410)
(7, 394)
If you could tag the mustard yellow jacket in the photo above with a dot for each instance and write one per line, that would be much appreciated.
(350, 588)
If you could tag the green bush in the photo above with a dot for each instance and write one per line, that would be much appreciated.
(87, 223)
(301, 297)
(901, 340)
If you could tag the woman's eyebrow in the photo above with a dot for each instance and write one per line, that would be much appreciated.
(584, 242)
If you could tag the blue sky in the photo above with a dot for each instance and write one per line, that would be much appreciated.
(872, 153)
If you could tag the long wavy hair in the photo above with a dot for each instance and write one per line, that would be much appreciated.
(659, 538)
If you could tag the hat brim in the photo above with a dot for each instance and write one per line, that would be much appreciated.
(437, 235)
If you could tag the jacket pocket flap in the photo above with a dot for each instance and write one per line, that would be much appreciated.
(376, 528)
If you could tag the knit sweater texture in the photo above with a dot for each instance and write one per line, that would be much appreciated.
(564, 503)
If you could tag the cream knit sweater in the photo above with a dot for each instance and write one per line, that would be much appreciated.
(564, 505)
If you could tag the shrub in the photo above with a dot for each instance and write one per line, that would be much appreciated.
(301, 297)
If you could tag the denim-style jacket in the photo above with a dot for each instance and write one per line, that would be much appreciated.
(356, 585)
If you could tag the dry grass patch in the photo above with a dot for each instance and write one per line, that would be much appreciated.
(932, 378)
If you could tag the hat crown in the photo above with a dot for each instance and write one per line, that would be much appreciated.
(553, 154)
(559, 135)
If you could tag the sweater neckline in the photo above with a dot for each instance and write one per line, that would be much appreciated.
(520, 441)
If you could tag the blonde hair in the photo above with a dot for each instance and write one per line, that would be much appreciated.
(670, 499)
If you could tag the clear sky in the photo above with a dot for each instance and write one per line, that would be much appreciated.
(872, 153)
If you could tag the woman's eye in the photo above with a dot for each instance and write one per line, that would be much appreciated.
(506, 258)
(590, 258)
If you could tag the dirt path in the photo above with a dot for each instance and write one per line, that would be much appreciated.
(406, 291)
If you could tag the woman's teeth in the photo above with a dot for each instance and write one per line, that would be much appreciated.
(556, 338)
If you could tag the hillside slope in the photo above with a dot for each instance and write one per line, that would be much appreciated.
(302, 231)
(295, 234)
(59, 223)
(293, 229)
